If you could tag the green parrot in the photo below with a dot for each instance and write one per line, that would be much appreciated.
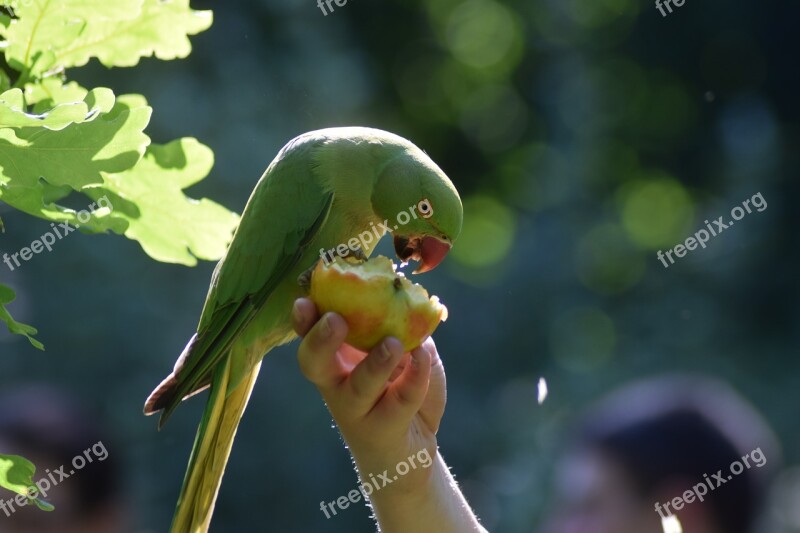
(323, 188)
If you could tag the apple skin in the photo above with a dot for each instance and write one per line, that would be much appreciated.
(376, 302)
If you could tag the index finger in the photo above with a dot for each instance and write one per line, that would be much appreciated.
(304, 316)
(317, 354)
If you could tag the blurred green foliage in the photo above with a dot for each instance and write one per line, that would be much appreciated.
(584, 136)
(16, 475)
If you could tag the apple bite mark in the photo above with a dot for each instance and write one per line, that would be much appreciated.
(376, 302)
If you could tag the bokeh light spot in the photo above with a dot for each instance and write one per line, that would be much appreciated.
(656, 212)
(487, 235)
(482, 33)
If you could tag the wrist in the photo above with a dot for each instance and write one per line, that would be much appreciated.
(434, 504)
(401, 472)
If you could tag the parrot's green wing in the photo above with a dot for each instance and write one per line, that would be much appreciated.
(284, 214)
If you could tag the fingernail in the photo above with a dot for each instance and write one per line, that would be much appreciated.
(415, 356)
(296, 314)
(385, 352)
(325, 329)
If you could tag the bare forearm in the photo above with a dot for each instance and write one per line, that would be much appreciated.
(435, 506)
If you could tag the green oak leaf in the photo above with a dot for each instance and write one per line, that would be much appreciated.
(75, 156)
(169, 226)
(12, 114)
(44, 26)
(6, 297)
(162, 30)
(16, 475)
(49, 92)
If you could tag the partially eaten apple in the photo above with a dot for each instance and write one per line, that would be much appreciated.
(376, 301)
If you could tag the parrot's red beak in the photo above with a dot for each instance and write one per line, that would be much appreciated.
(429, 251)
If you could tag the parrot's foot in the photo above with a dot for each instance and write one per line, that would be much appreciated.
(304, 279)
(356, 253)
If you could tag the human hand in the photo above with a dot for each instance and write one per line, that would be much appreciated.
(388, 404)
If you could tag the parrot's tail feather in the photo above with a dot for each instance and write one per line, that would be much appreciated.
(211, 449)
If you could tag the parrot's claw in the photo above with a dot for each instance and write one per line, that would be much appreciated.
(357, 253)
(304, 279)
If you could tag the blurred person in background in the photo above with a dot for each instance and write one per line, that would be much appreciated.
(48, 428)
(658, 447)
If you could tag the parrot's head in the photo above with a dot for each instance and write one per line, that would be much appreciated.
(422, 206)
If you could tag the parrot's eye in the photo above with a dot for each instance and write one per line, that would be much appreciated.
(425, 208)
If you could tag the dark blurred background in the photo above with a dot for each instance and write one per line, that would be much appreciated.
(583, 135)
